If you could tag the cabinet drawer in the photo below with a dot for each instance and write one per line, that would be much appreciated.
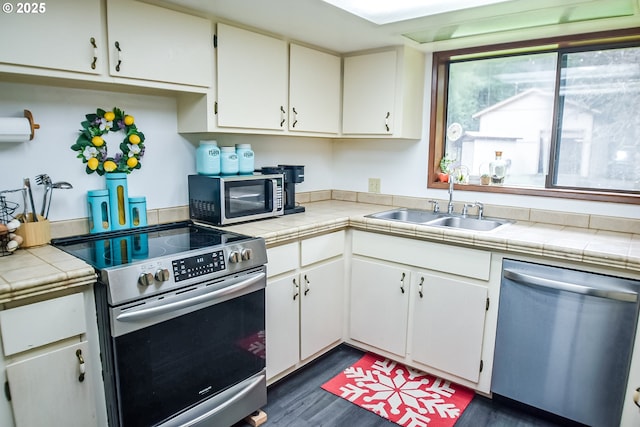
(433, 256)
(322, 247)
(38, 324)
(282, 259)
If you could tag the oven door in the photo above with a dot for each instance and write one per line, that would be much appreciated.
(251, 199)
(175, 353)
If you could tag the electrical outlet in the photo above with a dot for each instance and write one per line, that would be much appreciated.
(374, 185)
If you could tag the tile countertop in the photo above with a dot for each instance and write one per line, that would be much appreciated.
(45, 269)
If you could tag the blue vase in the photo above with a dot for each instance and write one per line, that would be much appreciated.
(99, 214)
(118, 200)
(138, 214)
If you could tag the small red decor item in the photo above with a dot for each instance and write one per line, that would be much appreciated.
(406, 396)
(443, 177)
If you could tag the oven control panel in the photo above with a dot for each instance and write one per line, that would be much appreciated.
(199, 265)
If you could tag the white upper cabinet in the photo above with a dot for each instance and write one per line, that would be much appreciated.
(65, 35)
(252, 80)
(153, 43)
(383, 94)
(314, 90)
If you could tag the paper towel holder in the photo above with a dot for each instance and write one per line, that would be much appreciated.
(33, 125)
(18, 129)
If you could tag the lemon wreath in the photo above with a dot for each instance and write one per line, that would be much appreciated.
(92, 147)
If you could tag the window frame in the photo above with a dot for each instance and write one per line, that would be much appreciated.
(438, 115)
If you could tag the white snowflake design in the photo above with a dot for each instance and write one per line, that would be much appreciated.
(389, 388)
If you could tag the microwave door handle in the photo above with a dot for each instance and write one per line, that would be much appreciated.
(272, 207)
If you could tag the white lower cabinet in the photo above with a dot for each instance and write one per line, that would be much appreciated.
(305, 301)
(380, 305)
(283, 330)
(49, 390)
(448, 324)
(433, 319)
(321, 300)
(51, 364)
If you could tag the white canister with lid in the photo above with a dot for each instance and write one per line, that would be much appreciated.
(228, 161)
(245, 159)
(208, 158)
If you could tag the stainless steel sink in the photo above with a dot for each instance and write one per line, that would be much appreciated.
(415, 216)
(467, 223)
(424, 217)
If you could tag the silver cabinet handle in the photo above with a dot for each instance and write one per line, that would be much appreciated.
(528, 280)
(306, 285)
(92, 40)
(81, 365)
(117, 44)
(282, 117)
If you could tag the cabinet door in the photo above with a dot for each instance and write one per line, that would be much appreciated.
(282, 314)
(56, 37)
(314, 90)
(448, 324)
(322, 291)
(159, 44)
(369, 93)
(252, 80)
(379, 305)
(46, 390)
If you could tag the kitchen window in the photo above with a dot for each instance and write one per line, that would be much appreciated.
(564, 114)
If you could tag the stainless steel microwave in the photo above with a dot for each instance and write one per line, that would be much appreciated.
(221, 200)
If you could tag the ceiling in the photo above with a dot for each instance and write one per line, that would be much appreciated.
(323, 25)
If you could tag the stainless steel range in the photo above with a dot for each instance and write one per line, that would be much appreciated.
(181, 317)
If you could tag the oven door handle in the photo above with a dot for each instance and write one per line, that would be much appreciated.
(144, 313)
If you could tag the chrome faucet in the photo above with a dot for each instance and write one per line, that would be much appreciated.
(450, 205)
(479, 205)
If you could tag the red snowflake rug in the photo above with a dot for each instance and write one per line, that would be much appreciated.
(406, 396)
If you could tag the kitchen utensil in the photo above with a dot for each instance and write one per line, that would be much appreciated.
(27, 185)
(24, 203)
(63, 185)
(44, 179)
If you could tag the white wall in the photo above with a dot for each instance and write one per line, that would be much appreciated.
(169, 157)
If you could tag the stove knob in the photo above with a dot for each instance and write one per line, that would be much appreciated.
(234, 257)
(145, 279)
(246, 254)
(162, 275)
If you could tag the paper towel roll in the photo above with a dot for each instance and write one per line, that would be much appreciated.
(15, 129)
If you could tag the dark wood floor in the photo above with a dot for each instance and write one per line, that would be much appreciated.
(298, 401)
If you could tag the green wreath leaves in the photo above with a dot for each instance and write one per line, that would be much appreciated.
(92, 147)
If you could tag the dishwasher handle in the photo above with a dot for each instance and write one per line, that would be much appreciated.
(529, 280)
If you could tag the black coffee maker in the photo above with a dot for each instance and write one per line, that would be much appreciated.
(293, 174)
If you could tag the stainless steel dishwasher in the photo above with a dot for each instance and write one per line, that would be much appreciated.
(564, 341)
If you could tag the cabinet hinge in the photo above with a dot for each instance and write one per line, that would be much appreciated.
(487, 305)
(215, 41)
(481, 365)
(7, 391)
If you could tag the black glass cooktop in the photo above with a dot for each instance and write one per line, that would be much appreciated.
(117, 248)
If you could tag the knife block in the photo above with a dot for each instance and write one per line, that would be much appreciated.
(34, 233)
